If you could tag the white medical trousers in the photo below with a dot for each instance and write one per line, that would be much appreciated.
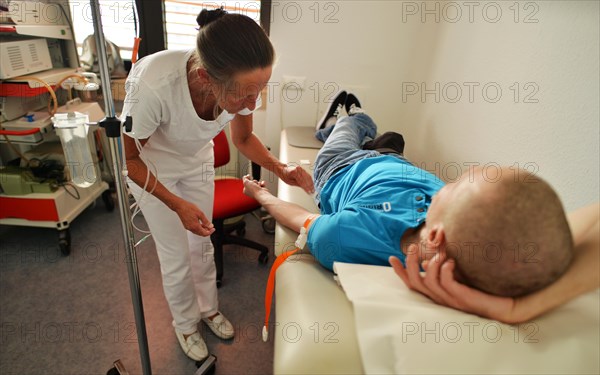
(186, 260)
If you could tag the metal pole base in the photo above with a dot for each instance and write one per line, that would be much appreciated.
(118, 369)
(207, 366)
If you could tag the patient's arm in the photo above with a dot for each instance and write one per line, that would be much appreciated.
(287, 214)
(582, 276)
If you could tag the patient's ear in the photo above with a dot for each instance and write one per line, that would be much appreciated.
(436, 237)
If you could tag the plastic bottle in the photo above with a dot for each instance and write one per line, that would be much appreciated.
(72, 130)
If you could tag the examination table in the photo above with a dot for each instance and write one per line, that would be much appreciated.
(316, 332)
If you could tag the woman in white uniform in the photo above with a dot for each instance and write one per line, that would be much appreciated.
(179, 101)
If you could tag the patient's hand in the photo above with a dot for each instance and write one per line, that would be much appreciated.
(253, 187)
(440, 285)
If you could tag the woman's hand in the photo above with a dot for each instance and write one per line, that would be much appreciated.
(439, 284)
(297, 176)
(192, 218)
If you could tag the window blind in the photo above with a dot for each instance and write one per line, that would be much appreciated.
(118, 22)
(180, 18)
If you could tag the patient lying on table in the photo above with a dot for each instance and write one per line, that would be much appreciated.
(506, 235)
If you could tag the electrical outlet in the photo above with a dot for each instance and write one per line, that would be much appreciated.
(294, 83)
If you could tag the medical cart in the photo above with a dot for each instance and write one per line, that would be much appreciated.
(24, 202)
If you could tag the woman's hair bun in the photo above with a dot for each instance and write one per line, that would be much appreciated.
(207, 16)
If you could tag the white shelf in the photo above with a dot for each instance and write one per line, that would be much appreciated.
(51, 77)
(44, 123)
(42, 31)
(35, 18)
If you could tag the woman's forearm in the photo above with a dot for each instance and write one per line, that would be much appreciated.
(252, 148)
(138, 172)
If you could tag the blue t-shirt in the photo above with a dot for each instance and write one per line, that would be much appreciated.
(366, 208)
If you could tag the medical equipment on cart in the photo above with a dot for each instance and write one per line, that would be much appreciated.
(72, 129)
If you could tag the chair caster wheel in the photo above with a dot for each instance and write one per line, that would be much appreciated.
(268, 225)
(263, 258)
(109, 201)
(64, 242)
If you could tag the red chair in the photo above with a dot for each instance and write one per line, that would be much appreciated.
(230, 202)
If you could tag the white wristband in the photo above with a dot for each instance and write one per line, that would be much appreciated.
(301, 240)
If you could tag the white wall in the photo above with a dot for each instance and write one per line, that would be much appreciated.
(385, 50)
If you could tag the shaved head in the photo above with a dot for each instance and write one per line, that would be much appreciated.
(510, 236)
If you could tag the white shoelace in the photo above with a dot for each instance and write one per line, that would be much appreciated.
(354, 109)
(337, 111)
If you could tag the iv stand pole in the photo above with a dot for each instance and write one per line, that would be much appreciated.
(113, 128)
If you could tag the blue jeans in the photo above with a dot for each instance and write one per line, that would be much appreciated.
(343, 147)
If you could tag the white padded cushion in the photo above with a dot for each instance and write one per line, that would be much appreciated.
(314, 331)
(400, 331)
(314, 328)
(303, 137)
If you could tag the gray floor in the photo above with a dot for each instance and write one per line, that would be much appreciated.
(73, 315)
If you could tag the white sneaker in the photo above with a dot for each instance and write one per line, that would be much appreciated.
(220, 326)
(194, 347)
(352, 105)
